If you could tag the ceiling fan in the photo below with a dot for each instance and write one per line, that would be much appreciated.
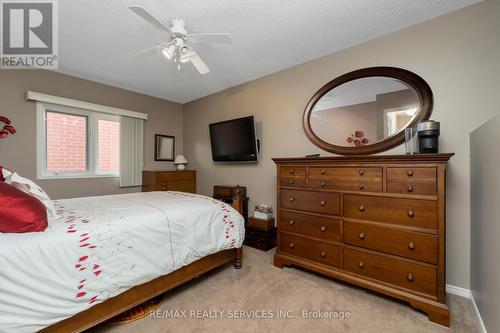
(178, 49)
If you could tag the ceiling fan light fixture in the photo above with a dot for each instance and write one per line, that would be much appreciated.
(178, 48)
(183, 50)
(168, 52)
(184, 59)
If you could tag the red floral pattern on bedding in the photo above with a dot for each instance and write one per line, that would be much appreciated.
(223, 206)
(77, 224)
(89, 264)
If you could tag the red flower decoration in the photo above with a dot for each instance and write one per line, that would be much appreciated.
(357, 139)
(7, 128)
(5, 120)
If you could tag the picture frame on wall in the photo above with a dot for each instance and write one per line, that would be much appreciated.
(164, 147)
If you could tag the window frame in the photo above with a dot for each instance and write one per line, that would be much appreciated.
(92, 142)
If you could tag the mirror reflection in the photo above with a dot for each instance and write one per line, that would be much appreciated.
(364, 111)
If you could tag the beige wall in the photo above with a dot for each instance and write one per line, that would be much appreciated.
(337, 124)
(456, 54)
(485, 229)
(19, 151)
(394, 100)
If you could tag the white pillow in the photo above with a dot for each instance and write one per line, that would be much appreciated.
(6, 173)
(30, 187)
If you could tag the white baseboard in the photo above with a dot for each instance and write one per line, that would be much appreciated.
(458, 291)
(467, 294)
(478, 315)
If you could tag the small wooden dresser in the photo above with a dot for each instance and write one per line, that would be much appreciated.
(374, 221)
(182, 181)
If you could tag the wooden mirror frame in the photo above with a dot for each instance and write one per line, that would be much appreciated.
(421, 87)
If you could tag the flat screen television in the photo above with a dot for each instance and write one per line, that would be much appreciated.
(234, 140)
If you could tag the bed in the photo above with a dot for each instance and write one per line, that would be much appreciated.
(103, 255)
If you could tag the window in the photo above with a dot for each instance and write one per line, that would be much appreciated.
(76, 143)
(108, 146)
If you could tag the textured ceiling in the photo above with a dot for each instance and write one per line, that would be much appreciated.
(97, 38)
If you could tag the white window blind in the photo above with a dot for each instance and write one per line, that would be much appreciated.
(131, 151)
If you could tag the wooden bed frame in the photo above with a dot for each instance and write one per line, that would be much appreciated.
(144, 292)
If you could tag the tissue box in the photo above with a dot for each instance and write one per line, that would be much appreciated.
(263, 212)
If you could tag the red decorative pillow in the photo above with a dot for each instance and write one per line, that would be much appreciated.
(20, 212)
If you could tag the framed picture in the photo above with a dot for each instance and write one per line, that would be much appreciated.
(164, 147)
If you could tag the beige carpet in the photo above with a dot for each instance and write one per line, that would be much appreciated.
(260, 285)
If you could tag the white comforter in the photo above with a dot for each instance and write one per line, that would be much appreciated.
(101, 246)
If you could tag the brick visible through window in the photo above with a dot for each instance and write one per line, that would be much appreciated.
(66, 142)
(109, 146)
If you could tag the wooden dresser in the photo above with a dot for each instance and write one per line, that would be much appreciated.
(375, 221)
(182, 181)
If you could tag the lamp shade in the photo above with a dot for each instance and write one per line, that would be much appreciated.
(180, 159)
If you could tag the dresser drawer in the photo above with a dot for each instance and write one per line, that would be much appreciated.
(165, 177)
(292, 176)
(310, 225)
(318, 202)
(409, 212)
(180, 186)
(346, 179)
(409, 180)
(313, 250)
(400, 273)
(408, 244)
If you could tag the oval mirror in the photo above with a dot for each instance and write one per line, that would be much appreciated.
(366, 111)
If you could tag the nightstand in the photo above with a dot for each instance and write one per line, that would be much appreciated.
(260, 234)
(182, 181)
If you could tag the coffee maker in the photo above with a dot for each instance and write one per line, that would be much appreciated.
(428, 135)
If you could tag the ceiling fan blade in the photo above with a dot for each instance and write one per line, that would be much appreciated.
(147, 52)
(142, 12)
(211, 38)
(198, 63)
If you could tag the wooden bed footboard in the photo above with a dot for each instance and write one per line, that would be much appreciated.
(101, 312)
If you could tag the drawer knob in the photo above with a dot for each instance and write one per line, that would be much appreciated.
(323, 228)
(409, 277)
(291, 170)
(409, 173)
(323, 254)
(361, 208)
(361, 264)
(291, 181)
(322, 203)
(362, 235)
(292, 222)
(410, 188)
(411, 213)
(323, 172)
(163, 186)
(361, 172)
(292, 245)
(411, 246)
(323, 184)
(361, 186)
(292, 199)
